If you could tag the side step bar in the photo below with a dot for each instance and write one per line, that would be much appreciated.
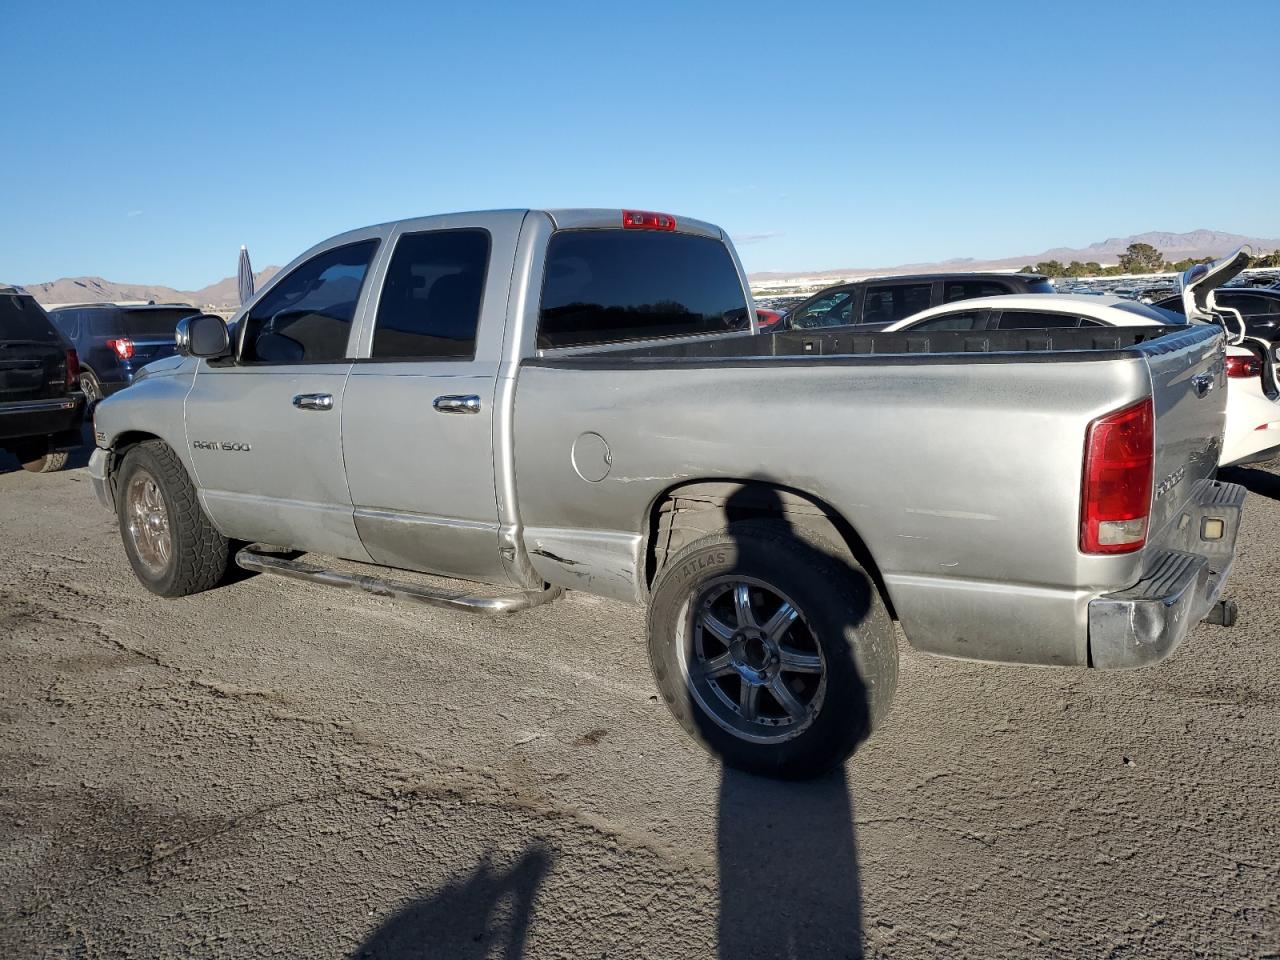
(250, 559)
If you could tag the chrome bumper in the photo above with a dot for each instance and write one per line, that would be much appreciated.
(1145, 623)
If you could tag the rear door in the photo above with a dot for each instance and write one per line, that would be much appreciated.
(418, 414)
(886, 303)
(33, 355)
(264, 428)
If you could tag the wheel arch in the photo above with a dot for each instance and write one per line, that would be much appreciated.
(694, 509)
(120, 446)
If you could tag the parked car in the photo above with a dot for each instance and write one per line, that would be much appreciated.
(1251, 431)
(41, 408)
(874, 304)
(116, 340)
(559, 399)
(767, 321)
(1260, 308)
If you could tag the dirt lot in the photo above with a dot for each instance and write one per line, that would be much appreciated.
(275, 769)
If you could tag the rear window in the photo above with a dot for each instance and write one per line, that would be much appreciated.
(607, 286)
(21, 318)
(1152, 312)
(1040, 286)
(887, 304)
(154, 323)
(968, 289)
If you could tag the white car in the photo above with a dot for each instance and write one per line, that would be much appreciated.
(1252, 432)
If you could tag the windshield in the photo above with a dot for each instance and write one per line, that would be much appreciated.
(21, 318)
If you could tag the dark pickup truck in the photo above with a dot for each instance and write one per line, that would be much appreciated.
(41, 407)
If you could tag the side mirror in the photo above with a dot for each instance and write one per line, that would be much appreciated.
(204, 336)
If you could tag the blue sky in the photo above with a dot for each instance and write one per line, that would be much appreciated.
(146, 142)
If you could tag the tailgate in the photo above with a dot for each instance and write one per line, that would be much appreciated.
(31, 371)
(1189, 392)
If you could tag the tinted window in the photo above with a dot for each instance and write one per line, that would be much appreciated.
(67, 321)
(968, 289)
(306, 317)
(155, 323)
(967, 320)
(21, 318)
(603, 286)
(430, 302)
(1032, 320)
(1174, 305)
(887, 304)
(828, 310)
(1040, 286)
(1248, 304)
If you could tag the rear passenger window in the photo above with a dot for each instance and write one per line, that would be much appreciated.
(306, 317)
(968, 289)
(968, 320)
(1031, 320)
(606, 286)
(887, 304)
(430, 303)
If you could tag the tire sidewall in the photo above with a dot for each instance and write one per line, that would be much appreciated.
(842, 608)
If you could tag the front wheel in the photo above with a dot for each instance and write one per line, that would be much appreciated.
(171, 544)
(774, 653)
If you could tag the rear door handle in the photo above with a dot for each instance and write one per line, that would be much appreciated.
(1203, 383)
(457, 404)
(313, 401)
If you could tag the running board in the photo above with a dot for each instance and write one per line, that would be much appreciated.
(250, 559)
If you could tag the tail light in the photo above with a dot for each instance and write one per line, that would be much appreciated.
(644, 220)
(1115, 500)
(73, 369)
(1243, 367)
(123, 347)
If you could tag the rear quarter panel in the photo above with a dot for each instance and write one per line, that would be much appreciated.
(961, 475)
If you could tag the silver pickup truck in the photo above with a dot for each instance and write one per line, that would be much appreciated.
(581, 399)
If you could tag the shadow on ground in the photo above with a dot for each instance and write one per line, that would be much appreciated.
(1258, 480)
(486, 914)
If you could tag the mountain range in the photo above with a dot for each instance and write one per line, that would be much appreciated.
(224, 294)
(1174, 246)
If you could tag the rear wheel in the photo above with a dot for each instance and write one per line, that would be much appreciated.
(36, 457)
(172, 546)
(775, 654)
(91, 389)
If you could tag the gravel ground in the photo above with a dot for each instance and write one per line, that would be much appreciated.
(277, 769)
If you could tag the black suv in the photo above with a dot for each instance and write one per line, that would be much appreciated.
(876, 303)
(116, 340)
(41, 409)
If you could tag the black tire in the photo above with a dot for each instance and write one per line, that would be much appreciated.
(198, 554)
(843, 618)
(91, 389)
(36, 457)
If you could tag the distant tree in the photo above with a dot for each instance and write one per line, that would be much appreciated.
(1051, 268)
(1093, 268)
(1077, 269)
(1028, 269)
(1186, 264)
(1271, 259)
(1141, 258)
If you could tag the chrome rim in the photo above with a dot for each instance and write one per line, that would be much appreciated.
(147, 521)
(751, 661)
(89, 387)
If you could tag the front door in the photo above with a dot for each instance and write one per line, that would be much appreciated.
(265, 429)
(418, 414)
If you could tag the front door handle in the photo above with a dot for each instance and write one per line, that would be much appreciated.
(457, 404)
(313, 401)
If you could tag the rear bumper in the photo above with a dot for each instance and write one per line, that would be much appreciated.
(1145, 623)
(21, 419)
